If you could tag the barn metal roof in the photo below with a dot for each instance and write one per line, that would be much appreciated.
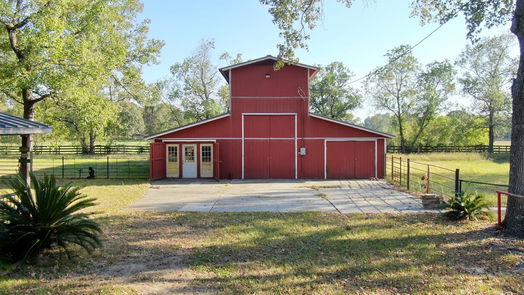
(12, 125)
(267, 57)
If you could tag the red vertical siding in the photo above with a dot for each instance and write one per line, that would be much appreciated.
(340, 159)
(256, 158)
(282, 126)
(364, 159)
(290, 81)
(312, 164)
(281, 158)
(157, 161)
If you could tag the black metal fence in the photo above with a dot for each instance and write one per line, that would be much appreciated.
(450, 149)
(77, 150)
(487, 188)
(71, 167)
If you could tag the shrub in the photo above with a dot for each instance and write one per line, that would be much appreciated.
(45, 217)
(466, 206)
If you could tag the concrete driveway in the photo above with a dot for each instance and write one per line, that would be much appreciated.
(345, 196)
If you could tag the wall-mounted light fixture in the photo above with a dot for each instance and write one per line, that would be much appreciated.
(268, 76)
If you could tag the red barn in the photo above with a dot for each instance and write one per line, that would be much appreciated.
(268, 133)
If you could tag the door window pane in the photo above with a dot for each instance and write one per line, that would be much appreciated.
(206, 153)
(172, 154)
(189, 153)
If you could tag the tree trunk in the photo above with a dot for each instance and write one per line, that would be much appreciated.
(92, 140)
(27, 139)
(491, 132)
(83, 144)
(514, 220)
(401, 134)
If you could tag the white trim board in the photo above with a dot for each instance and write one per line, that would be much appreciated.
(188, 140)
(299, 138)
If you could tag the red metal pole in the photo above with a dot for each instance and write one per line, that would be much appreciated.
(499, 218)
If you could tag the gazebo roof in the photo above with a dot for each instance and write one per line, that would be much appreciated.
(11, 125)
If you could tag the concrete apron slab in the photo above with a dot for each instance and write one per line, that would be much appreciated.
(348, 196)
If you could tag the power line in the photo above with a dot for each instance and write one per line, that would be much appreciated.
(399, 56)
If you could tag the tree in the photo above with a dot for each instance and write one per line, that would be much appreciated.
(130, 120)
(393, 87)
(479, 14)
(195, 84)
(295, 19)
(49, 47)
(458, 127)
(224, 91)
(435, 84)
(379, 122)
(331, 94)
(487, 71)
(85, 115)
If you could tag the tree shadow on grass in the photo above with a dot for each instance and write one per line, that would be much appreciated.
(286, 253)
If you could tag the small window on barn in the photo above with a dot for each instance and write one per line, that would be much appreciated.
(190, 153)
(206, 153)
(172, 152)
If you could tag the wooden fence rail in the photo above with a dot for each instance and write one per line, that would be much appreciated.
(451, 149)
(77, 150)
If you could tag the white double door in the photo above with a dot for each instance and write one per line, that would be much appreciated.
(189, 161)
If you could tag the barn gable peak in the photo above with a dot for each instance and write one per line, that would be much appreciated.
(268, 58)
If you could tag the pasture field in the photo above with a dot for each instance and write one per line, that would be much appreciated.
(473, 166)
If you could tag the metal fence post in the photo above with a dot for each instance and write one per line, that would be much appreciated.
(407, 180)
(457, 181)
(427, 182)
(107, 167)
(63, 168)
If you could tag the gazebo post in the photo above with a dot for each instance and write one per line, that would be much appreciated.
(25, 160)
(12, 125)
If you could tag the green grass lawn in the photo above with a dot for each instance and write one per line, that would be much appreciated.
(274, 253)
(473, 166)
(77, 166)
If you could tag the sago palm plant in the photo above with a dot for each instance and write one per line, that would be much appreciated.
(49, 215)
(466, 206)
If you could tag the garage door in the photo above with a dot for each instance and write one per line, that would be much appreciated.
(350, 159)
(269, 146)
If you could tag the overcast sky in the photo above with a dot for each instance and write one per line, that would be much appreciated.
(358, 36)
